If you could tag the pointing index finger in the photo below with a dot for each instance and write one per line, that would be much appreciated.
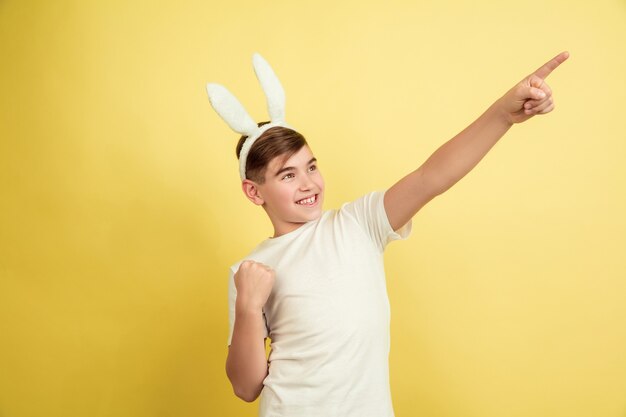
(551, 65)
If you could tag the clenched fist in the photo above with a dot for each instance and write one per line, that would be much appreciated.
(254, 282)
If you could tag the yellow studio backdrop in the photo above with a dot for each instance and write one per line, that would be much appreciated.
(120, 206)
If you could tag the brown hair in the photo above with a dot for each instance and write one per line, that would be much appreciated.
(275, 141)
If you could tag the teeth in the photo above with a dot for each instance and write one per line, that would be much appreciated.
(309, 200)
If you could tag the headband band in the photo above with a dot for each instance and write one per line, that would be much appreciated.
(236, 116)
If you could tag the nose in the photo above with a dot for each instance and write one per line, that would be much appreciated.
(305, 183)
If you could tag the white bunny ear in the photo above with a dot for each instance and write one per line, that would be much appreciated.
(231, 110)
(235, 115)
(271, 87)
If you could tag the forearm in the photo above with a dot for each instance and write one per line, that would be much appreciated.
(246, 365)
(455, 158)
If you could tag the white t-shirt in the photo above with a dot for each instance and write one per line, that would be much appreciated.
(328, 315)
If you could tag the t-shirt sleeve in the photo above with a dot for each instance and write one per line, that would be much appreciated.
(369, 212)
(232, 298)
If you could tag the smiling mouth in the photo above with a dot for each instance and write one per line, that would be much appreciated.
(309, 201)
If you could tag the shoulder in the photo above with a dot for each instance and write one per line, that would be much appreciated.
(250, 256)
(367, 203)
(370, 198)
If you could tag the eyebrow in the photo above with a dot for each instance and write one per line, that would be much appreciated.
(284, 169)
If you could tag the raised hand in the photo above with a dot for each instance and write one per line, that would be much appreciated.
(254, 282)
(532, 95)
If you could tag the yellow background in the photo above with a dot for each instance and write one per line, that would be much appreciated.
(121, 209)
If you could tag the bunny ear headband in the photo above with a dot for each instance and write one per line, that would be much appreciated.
(234, 114)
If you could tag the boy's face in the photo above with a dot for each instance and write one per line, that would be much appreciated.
(293, 191)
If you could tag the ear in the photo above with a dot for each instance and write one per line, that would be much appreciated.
(251, 190)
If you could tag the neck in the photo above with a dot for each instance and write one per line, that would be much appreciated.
(284, 228)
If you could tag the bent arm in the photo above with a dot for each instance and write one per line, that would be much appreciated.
(445, 167)
(246, 364)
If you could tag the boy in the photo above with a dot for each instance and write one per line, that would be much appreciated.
(317, 288)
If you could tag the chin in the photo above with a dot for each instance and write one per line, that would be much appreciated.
(309, 217)
(315, 216)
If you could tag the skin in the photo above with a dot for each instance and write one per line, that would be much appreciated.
(286, 183)
(246, 364)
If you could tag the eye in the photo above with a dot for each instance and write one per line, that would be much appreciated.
(313, 168)
(288, 176)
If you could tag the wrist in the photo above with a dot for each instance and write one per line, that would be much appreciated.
(502, 114)
(244, 307)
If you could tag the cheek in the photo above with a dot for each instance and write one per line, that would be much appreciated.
(320, 181)
(287, 193)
